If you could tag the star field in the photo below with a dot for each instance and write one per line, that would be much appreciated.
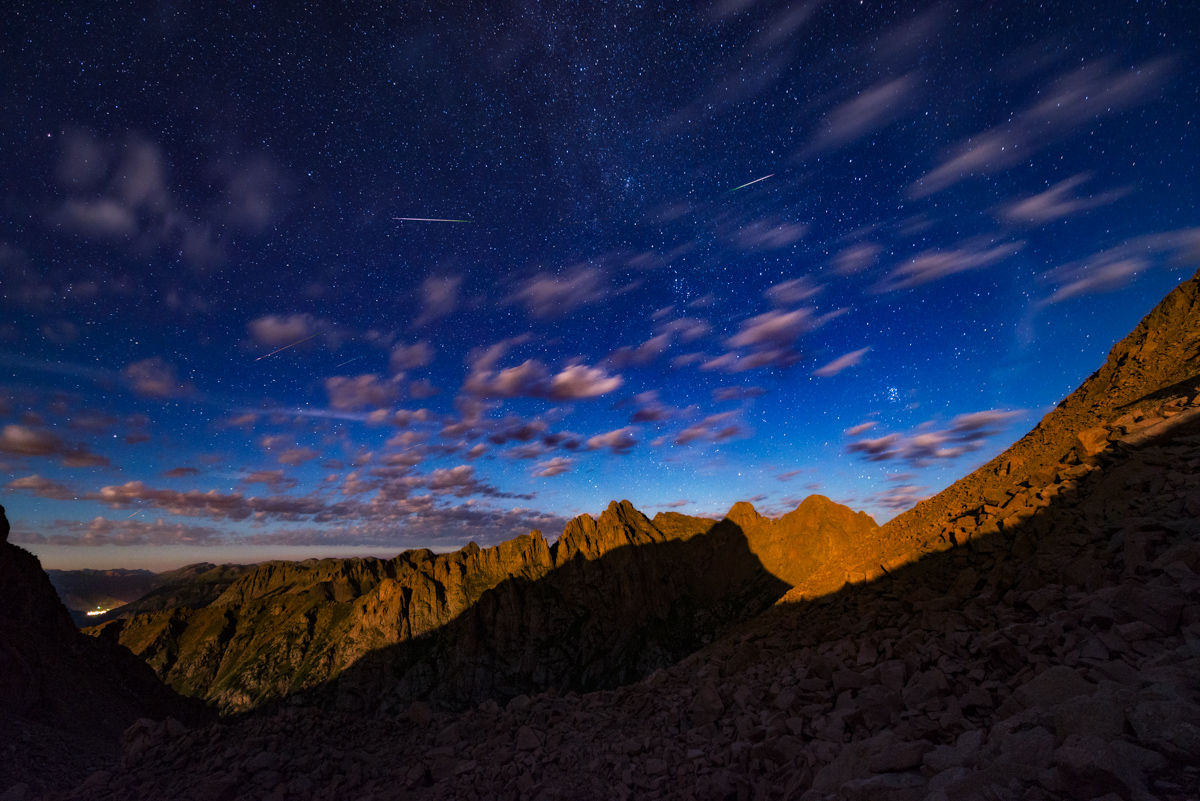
(349, 279)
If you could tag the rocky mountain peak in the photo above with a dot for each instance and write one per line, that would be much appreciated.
(744, 515)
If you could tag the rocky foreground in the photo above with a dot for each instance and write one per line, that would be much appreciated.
(65, 698)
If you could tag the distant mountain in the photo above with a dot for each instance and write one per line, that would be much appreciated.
(64, 698)
(610, 601)
(84, 591)
(193, 586)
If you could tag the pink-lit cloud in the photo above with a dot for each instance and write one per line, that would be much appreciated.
(43, 488)
(275, 480)
(549, 295)
(1056, 203)
(736, 393)
(552, 467)
(297, 456)
(861, 428)
(965, 434)
(620, 441)
(21, 440)
(364, 391)
(768, 340)
(792, 291)
(180, 472)
(102, 531)
(841, 363)
(856, 259)
(532, 379)
(277, 331)
(714, 428)
(768, 234)
(409, 357)
(1112, 269)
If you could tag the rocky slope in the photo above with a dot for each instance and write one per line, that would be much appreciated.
(1054, 653)
(609, 602)
(64, 698)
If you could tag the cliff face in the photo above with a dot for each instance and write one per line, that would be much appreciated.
(611, 600)
(64, 698)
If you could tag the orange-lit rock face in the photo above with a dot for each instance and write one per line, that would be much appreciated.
(281, 628)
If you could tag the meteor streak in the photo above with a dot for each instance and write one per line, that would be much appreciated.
(756, 180)
(428, 219)
(285, 347)
(356, 358)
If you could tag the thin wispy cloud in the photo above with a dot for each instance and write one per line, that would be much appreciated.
(1057, 202)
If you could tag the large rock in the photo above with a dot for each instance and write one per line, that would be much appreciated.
(65, 698)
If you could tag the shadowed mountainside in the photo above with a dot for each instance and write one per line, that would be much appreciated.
(64, 698)
(281, 627)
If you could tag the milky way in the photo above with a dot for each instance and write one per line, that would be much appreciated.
(510, 262)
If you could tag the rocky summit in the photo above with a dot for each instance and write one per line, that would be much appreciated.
(1031, 633)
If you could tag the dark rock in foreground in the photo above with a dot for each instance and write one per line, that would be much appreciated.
(65, 698)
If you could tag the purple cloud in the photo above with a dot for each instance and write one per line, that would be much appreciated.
(721, 394)
(872, 109)
(21, 440)
(714, 428)
(409, 357)
(841, 363)
(935, 264)
(1056, 202)
(1091, 92)
(364, 391)
(552, 467)
(439, 298)
(155, 378)
(791, 292)
(1112, 269)
(965, 434)
(855, 259)
(620, 441)
(547, 295)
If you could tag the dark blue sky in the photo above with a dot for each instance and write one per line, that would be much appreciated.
(219, 342)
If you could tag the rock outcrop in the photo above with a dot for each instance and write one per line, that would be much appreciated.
(612, 600)
(1053, 653)
(65, 698)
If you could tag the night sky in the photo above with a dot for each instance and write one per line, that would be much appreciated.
(686, 256)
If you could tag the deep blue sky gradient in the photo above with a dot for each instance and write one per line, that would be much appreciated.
(968, 205)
